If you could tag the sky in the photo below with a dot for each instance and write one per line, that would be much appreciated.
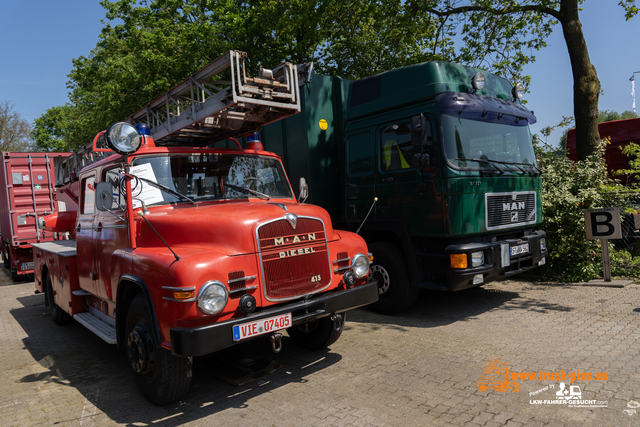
(40, 38)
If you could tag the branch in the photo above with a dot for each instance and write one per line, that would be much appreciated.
(499, 12)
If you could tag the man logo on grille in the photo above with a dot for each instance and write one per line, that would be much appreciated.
(296, 239)
(514, 216)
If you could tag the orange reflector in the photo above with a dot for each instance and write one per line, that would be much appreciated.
(182, 295)
(370, 257)
(458, 260)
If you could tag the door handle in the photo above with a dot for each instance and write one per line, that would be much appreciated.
(98, 227)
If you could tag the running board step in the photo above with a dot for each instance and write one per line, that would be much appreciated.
(81, 293)
(97, 326)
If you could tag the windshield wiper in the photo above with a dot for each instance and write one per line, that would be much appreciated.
(516, 165)
(487, 161)
(502, 162)
(248, 190)
(164, 188)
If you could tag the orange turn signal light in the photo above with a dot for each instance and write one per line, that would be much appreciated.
(458, 260)
(184, 295)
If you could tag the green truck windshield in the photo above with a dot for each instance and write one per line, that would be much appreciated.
(496, 142)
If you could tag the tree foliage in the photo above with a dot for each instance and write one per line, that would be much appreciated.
(14, 130)
(54, 129)
(148, 46)
(568, 188)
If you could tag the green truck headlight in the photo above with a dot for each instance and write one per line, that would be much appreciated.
(477, 259)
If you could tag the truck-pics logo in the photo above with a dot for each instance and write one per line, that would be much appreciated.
(496, 376)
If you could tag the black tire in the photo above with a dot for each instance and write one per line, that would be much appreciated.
(394, 286)
(14, 271)
(59, 316)
(318, 334)
(5, 258)
(161, 376)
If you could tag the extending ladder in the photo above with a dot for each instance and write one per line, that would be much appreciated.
(216, 103)
(220, 102)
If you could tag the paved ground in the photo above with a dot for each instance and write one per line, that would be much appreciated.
(418, 369)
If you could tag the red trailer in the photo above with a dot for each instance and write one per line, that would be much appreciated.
(620, 133)
(28, 192)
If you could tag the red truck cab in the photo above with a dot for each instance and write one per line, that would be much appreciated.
(619, 133)
(183, 251)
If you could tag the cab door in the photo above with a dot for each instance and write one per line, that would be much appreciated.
(407, 182)
(110, 233)
(84, 232)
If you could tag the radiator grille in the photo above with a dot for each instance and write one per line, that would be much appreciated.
(506, 210)
(294, 261)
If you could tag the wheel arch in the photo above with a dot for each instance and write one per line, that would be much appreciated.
(129, 287)
(394, 232)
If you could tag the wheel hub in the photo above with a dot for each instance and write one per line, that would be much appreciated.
(140, 349)
(382, 276)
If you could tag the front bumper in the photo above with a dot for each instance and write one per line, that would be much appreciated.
(498, 264)
(211, 338)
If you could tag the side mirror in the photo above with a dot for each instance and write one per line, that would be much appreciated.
(104, 196)
(304, 190)
(420, 131)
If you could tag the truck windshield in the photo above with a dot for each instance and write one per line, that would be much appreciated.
(208, 177)
(487, 140)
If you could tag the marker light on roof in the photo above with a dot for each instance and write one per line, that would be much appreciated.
(478, 81)
(518, 91)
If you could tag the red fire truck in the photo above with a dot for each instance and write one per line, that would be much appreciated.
(179, 250)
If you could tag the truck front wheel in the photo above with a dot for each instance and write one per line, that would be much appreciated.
(161, 376)
(318, 334)
(394, 286)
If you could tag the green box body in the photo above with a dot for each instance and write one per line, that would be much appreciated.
(430, 204)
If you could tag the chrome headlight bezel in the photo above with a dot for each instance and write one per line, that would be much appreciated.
(478, 81)
(210, 290)
(477, 259)
(360, 265)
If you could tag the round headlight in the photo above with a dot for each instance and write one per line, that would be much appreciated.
(123, 138)
(518, 91)
(212, 297)
(478, 81)
(360, 265)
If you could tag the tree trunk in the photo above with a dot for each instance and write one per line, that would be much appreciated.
(586, 86)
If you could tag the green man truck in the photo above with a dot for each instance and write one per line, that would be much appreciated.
(437, 157)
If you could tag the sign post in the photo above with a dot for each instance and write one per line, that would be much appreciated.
(603, 224)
